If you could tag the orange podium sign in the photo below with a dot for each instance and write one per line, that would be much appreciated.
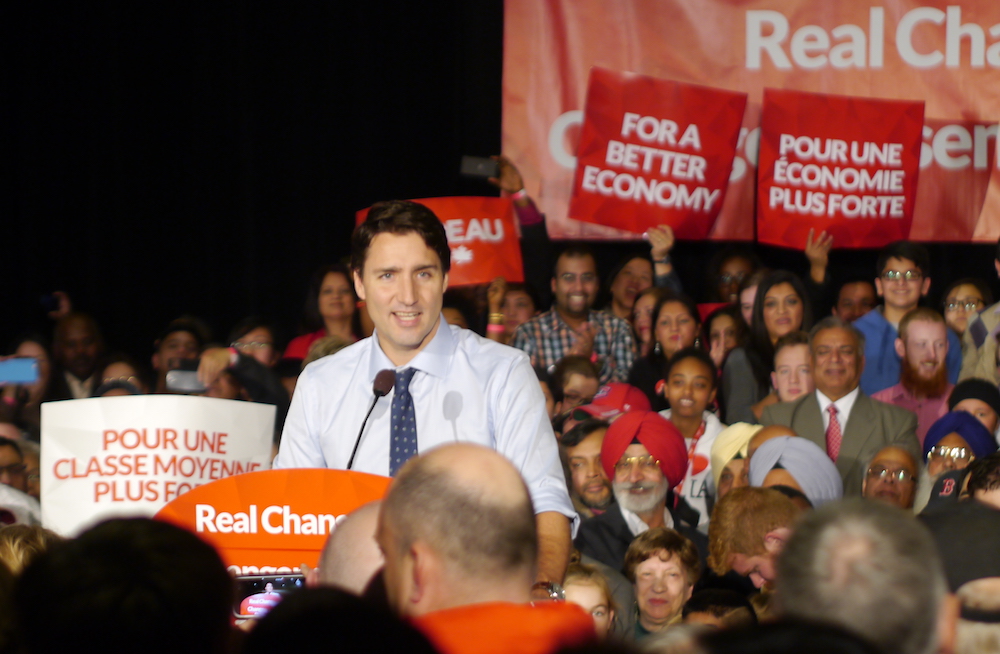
(272, 521)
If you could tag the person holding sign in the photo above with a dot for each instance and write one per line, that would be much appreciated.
(445, 384)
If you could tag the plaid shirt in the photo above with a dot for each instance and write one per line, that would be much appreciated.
(546, 338)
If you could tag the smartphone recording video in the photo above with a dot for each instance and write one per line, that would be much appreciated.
(258, 594)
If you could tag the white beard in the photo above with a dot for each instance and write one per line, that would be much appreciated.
(643, 503)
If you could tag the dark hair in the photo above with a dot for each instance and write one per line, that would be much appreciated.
(30, 337)
(311, 615)
(785, 636)
(734, 251)
(731, 310)
(617, 269)
(528, 289)
(456, 299)
(121, 357)
(760, 350)
(190, 324)
(571, 365)
(915, 252)
(984, 473)
(581, 430)
(115, 585)
(9, 442)
(400, 217)
(251, 323)
(688, 303)
(312, 320)
(573, 251)
(693, 353)
(980, 285)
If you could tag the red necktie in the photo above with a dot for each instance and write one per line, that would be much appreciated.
(833, 435)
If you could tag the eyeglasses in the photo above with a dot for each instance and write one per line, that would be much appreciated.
(732, 278)
(251, 346)
(13, 469)
(884, 474)
(897, 276)
(968, 306)
(627, 464)
(953, 453)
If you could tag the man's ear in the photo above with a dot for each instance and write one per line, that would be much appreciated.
(996, 264)
(900, 349)
(774, 541)
(926, 287)
(878, 286)
(553, 285)
(359, 287)
(422, 571)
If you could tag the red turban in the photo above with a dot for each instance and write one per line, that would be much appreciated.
(656, 433)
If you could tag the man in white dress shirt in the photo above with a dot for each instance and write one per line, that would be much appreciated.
(463, 387)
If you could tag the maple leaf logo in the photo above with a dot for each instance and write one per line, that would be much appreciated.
(461, 254)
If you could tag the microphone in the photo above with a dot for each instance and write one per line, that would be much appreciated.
(384, 381)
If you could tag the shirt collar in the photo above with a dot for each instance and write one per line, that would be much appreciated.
(844, 404)
(434, 358)
(636, 524)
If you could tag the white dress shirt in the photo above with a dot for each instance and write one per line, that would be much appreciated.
(844, 406)
(466, 388)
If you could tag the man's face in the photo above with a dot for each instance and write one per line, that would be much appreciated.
(661, 588)
(837, 363)
(575, 285)
(578, 390)
(732, 272)
(589, 481)
(517, 308)
(760, 568)
(12, 470)
(891, 478)
(900, 293)
(639, 484)
(175, 347)
(77, 348)
(634, 278)
(925, 349)
(855, 300)
(792, 376)
(259, 344)
(403, 285)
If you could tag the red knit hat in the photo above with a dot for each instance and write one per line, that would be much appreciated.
(656, 433)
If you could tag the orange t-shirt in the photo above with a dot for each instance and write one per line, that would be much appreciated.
(506, 628)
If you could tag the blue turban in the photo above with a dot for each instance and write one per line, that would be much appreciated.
(965, 425)
(805, 461)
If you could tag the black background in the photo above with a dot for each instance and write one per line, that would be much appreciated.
(163, 158)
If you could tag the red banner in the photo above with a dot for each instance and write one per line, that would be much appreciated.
(483, 237)
(946, 55)
(272, 521)
(844, 165)
(654, 152)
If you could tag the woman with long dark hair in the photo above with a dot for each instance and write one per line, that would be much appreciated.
(330, 310)
(781, 306)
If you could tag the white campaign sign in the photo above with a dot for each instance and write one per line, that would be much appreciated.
(130, 455)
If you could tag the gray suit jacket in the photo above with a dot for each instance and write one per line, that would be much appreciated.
(871, 426)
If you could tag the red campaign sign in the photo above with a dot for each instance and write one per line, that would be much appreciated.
(483, 237)
(654, 152)
(841, 164)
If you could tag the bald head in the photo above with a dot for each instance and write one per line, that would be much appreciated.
(466, 507)
(351, 556)
(766, 434)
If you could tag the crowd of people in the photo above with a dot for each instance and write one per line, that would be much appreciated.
(786, 464)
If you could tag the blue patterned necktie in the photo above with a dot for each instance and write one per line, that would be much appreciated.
(403, 443)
